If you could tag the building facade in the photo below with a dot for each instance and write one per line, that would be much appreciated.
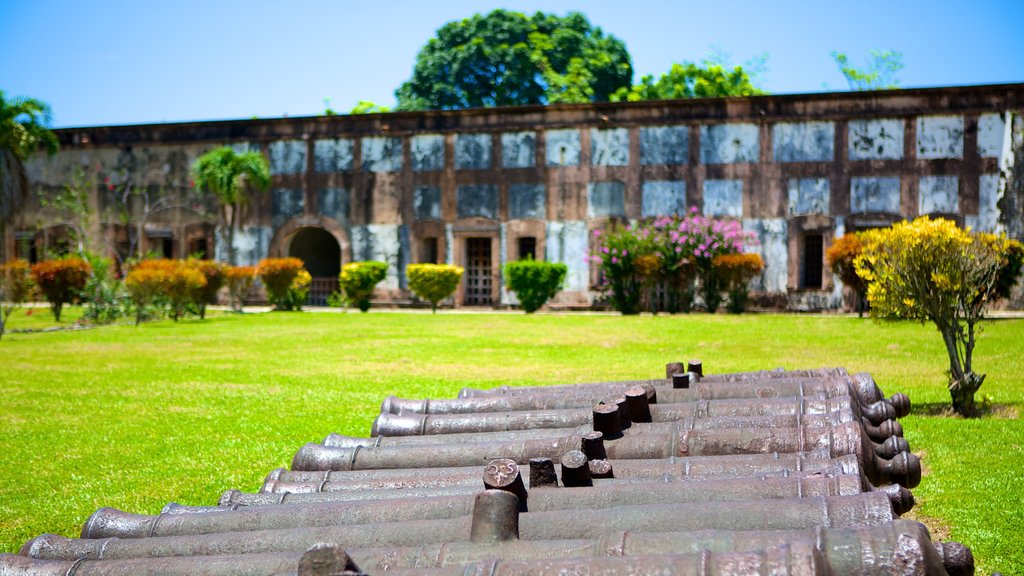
(482, 187)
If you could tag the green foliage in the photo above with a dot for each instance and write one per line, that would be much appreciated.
(667, 252)
(368, 107)
(508, 58)
(229, 177)
(15, 289)
(278, 276)
(358, 280)
(328, 111)
(879, 74)
(433, 282)
(734, 273)
(933, 271)
(61, 281)
(215, 274)
(239, 279)
(689, 80)
(840, 257)
(534, 282)
(104, 294)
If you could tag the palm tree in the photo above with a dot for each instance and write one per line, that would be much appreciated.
(229, 176)
(24, 128)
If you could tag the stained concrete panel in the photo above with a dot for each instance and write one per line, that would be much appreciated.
(382, 154)
(723, 198)
(609, 147)
(566, 242)
(563, 147)
(606, 199)
(939, 195)
(527, 201)
(808, 195)
(335, 203)
(478, 200)
(285, 203)
(245, 147)
(252, 244)
(772, 236)
(663, 198)
(729, 143)
(333, 155)
(427, 152)
(873, 195)
(518, 150)
(287, 157)
(804, 141)
(381, 242)
(991, 133)
(940, 137)
(664, 145)
(426, 203)
(988, 203)
(473, 151)
(880, 139)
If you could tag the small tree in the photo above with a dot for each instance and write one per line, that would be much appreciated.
(535, 282)
(358, 280)
(61, 281)
(841, 256)
(931, 270)
(239, 280)
(15, 289)
(734, 273)
(215, 274)
(144, 285)
(433, 282)
(229, 177)
(277, 275)
(620, 279)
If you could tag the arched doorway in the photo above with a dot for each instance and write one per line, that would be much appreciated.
(319, 251)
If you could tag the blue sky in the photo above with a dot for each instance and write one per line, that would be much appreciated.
(124, 62)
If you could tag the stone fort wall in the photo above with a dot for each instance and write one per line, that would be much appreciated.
(798, 170)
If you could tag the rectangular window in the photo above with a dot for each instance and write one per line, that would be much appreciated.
(165, 246)
(527, 248)
(813, 262)
(428, 251)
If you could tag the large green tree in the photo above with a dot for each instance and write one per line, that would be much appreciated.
(688, 80)
(231, 177)
(508, 58)
(24, 129)
(879, 73)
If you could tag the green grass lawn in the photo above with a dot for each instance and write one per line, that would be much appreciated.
(138, 417)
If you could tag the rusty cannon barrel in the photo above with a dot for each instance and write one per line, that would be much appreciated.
(339, 484)
(870, 508)
(900, 547)
(847, 438)
(876, 412)
(828, 382)
(110, 522)
(726, 414)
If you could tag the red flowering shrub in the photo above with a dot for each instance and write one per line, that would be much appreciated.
(277, 275)
(61, 281)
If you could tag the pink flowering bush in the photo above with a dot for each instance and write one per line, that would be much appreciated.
(670, 255)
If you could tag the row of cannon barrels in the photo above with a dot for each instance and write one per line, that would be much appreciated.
(777, 472)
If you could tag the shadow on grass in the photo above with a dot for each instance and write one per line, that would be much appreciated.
(985, 410)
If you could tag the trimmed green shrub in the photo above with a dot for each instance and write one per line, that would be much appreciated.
(358, 280)
(61, 281)
(433, 282)
(534, 282)
(278, 276)
(15, 289)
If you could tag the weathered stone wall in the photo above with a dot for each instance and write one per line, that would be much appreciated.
(402, 187)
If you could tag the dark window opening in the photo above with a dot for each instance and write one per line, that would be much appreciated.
(813, 262)
(527, 248)
(165, 247)
(27, 250)
(198, 248)
(428, 251)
